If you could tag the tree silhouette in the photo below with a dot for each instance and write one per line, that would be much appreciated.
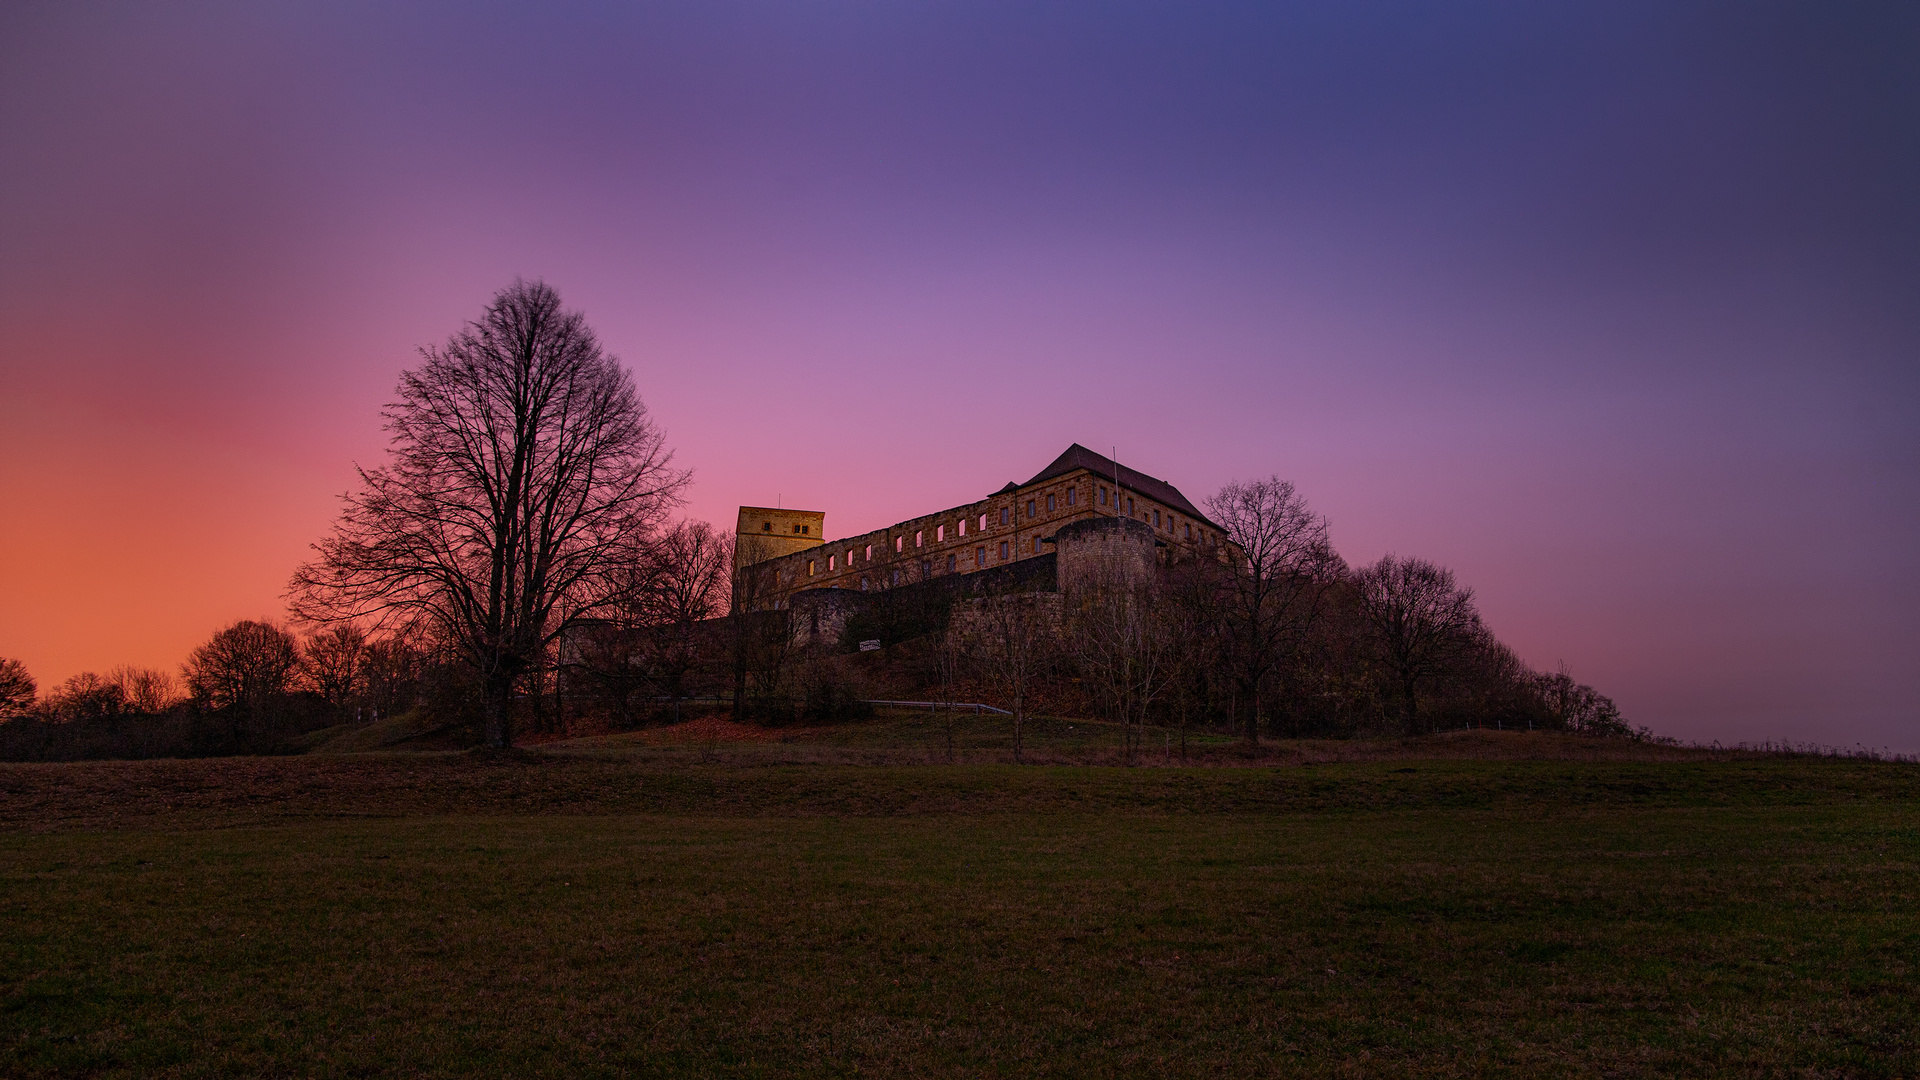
(1421, 622)
(17, 688)
(526, 481)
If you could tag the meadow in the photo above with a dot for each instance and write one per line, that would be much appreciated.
(1488, 904)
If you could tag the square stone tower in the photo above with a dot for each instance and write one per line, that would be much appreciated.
(765, 532)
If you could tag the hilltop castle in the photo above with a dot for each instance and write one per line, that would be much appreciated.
(1077, 514)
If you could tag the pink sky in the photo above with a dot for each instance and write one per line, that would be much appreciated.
(1617, 325)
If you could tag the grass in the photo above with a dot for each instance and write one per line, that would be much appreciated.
(629, 910)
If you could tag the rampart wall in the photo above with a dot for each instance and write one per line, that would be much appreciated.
(1005, 528)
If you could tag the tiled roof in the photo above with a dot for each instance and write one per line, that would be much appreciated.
(1079, 457)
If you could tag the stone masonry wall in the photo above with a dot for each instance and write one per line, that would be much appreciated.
(1106, 551)
(997, 531)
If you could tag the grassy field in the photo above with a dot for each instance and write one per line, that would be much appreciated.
(1458, 907)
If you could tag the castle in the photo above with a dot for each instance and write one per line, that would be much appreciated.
(1073, 518)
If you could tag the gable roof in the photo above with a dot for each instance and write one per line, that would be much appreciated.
(1079, 457)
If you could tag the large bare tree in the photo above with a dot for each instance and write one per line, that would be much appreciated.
(1274, 582)
(1421, 622)
(525, 482)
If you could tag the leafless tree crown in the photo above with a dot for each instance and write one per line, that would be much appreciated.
(1276, 581)
(17, 688)
(525, 481)
(1420, 620)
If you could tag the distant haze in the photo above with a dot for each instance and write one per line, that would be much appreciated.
(1614, 308)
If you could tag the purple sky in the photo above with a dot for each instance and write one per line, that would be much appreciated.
(1613, 308)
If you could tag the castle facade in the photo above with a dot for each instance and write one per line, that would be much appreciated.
(783, 553)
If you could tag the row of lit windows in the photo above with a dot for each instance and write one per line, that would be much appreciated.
(926, 565)
(837, 561)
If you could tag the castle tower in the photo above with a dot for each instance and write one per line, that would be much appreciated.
(767, 533)
(1105, 552)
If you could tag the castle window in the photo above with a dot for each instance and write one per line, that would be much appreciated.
(953, 563)
(980, 556)
(899, 543)
(804, 529)
(869, 552)
(1103, 496)
(920, 538)
(940, 534)
(863, 583)
(896, 577)
(849, 558)
(1189, 530)
(1036, 545)
(830, 559)
(809, 567)
(983, 521)
(1129, 505)
(1156, 519)
(963, 526)
(1003, 515)
(766, 526)
(1070, 492)
(1049, 504)
(926, 569)
(1029, 509)
(1003, 551)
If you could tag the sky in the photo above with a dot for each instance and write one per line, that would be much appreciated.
(1611, 307)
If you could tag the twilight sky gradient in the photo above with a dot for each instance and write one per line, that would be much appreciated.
(1612, 307)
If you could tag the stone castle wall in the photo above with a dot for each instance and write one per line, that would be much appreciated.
(1003, 529)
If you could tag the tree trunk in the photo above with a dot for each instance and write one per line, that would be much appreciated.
(740, 690)
(497, 708)
(1253, 716)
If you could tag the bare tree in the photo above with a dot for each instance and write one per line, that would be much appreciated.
(1579, 707)
(526, 480)
(759, 629)
(1278, 570)
(1123, 646)
(1190, 612)
(390, 671)
(691, 575)
(1012, 641)
(949, 662)
(1420, 622)
(332, 662)
(86, 696)
(658, 640)
(243, 670)
(145, 690)
(17, 688)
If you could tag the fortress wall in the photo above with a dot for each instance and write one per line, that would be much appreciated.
(926, 545)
